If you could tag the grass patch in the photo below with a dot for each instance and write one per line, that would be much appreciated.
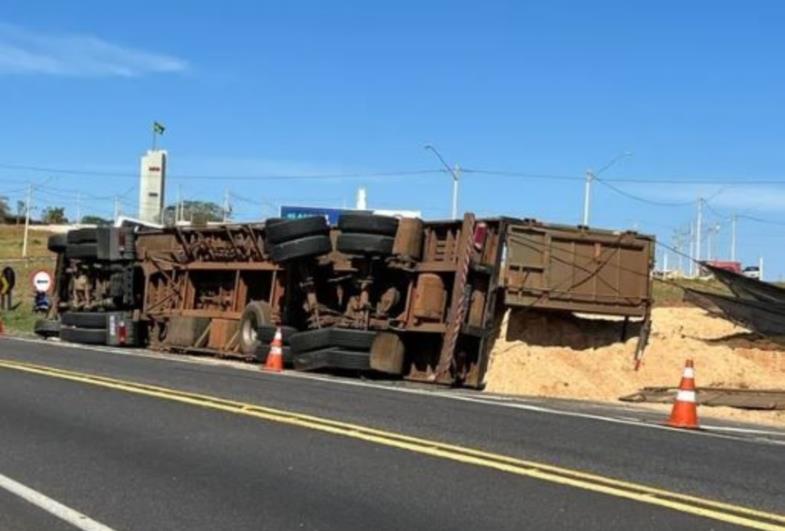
(22, 319)
(671, 292)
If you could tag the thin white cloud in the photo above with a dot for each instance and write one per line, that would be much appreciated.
(730, 197)
(28, 52)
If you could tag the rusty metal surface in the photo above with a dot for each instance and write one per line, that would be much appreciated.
(578, 269)
(438, 292)
(767, 399)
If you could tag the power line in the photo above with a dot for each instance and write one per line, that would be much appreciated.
(642, 199)
(636, 180)
(315, 176)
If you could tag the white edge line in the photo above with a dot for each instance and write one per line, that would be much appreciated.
(55, 508)
(516, 404)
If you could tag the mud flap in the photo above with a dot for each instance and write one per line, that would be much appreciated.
(387, 353)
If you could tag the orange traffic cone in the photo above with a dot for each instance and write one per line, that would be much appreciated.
(685, 410)
(274, 361)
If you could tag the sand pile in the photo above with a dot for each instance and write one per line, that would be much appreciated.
(570, 357)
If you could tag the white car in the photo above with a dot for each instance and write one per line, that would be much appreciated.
(751, 272)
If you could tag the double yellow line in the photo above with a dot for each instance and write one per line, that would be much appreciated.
(724, 512)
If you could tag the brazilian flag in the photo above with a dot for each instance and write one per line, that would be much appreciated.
(158, 128)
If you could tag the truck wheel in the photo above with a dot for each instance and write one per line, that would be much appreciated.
(87, 336)
(370, 244)
(256, 314)
(82, 250)
(293, 229)
(57, 243)
(332, 337)
(89, 235)
(312, 361)
(310, 340)
(267, 333)
(47, 328)
(94, 320)
(368, 223)
(349, 360)
(333, 358)
(301, 248)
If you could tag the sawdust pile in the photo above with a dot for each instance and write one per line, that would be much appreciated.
(570, 357)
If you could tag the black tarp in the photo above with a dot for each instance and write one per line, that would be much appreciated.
(747, 288)
(765, 318)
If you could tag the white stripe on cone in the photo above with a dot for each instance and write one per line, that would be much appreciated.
(685, 396)
(689, 372)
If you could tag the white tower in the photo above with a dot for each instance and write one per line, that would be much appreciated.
(152, 179)
(362, 199)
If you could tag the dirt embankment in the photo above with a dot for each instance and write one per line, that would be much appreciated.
(570, 357)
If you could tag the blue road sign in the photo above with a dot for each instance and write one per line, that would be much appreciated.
(331, 214)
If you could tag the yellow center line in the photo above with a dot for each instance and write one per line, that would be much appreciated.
(725, 512)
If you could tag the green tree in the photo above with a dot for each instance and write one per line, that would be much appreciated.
(54, 215)
(196, 211)
(95, 220)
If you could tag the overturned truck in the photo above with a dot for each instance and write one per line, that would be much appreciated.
(418, 299)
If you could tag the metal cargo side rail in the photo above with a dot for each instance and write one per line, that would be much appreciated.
(579, 269)
(553, 267)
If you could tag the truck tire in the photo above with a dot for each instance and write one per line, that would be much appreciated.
(332, 337)
(255, 315)
(86, 336)
(57, 243)
(267, 333)
(333, 358)
(47, 328)
(301, 248)
(82, 250)
(89, 235)
(93, 320)
(369, 244)
(368, 223)
(350, 360)
(293, 229)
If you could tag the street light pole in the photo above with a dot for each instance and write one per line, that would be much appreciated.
(456, 177)
(27, 219)
(587, 197)
(698, 230)
(455, 183)
(733, 239)
(591, 175)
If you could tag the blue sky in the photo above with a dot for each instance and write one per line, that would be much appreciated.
(259, 89)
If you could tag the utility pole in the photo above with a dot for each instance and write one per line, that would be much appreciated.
(591, 175)
(178, 209)
(587, 197)
(78, 210)
(691, 236)
(116, 208)
(733, 239)
(698, 230)
(226, 205)
(27, 219)
(456, 175)
(760, 268)
(678, 245)
(456, 179)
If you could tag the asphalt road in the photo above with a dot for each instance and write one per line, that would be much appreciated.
(134, 461)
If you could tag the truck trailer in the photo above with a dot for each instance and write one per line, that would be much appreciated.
(413, 299)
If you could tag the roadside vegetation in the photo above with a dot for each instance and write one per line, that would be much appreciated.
(21, 319)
